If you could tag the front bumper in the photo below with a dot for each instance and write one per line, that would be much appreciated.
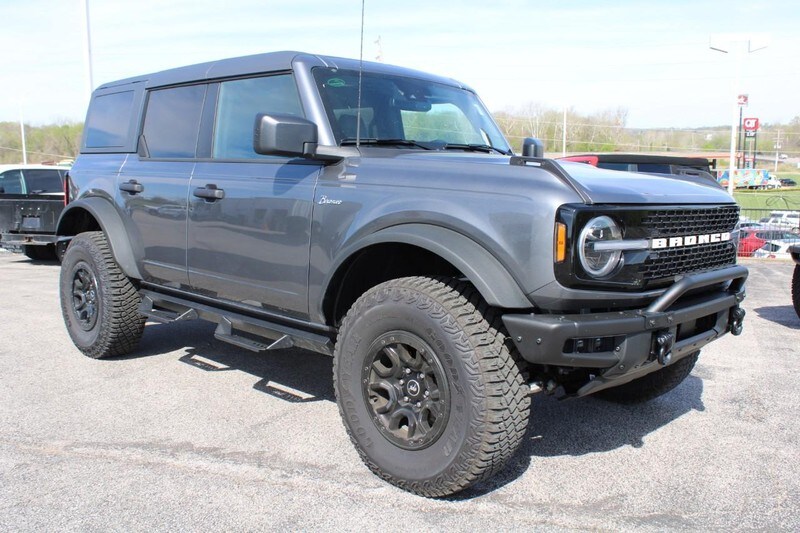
(626, 345)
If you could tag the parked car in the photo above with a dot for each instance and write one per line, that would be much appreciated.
(31, 200)
(745, 222)
(377, 215)
(751, 239)
(788, 182)
(775, 249)
(687, 168)
(783, 220)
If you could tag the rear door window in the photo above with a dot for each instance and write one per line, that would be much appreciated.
(172, 121)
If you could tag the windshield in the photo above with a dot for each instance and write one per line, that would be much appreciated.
(408, 112)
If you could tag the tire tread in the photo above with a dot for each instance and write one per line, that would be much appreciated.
(497, 379)
(122, 325)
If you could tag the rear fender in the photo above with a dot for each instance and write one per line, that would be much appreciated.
(110, 222)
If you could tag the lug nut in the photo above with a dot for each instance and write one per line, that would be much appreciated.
(408, 370)
(402, 382)
(405, 398)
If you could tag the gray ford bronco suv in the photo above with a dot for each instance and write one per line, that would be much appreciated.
(377, 214)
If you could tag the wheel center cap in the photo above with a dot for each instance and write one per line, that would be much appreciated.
(413, 388)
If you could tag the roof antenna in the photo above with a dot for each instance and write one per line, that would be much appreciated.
(360, 70)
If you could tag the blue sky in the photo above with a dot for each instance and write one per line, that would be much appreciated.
(651, 58)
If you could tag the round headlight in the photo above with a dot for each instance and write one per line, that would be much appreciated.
(599, 263)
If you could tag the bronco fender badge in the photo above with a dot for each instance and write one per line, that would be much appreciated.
(689, 240)
(325, 200)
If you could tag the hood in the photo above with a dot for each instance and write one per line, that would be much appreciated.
(593, 185)
(616, 187)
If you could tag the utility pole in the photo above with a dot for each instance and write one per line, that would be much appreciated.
(564, 134)
(22, 134)
(87, 49)
(737, 46)
(777, 150)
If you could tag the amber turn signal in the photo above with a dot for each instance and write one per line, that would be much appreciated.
(561, 242)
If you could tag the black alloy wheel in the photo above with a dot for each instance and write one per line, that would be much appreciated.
(407, 389)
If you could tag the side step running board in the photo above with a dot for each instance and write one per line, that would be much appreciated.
(167, 308)
(147, 308)
(224, 332)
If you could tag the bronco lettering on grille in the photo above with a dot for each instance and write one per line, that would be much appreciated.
(689, 240)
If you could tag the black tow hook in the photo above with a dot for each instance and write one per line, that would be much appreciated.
(735, 322)
(663, 347)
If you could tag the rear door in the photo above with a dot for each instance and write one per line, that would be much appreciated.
(153, 185)
(250, 215)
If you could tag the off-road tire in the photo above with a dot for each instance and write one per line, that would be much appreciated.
(480, 382)
(796, 290)
(98, 301)
(652, 385)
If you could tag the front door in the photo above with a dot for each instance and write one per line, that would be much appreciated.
(250, 215)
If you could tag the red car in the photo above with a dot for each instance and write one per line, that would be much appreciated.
(751, 239)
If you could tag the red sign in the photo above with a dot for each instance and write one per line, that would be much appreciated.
(742, 99)
(750, 124)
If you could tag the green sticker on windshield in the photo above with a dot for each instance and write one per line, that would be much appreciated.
(336, 82)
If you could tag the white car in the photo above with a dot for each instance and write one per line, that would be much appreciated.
(783, 220)
(775, 249)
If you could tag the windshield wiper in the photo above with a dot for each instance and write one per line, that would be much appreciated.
(384, 142)
(475, 148)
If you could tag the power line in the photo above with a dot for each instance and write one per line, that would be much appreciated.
(37, 153)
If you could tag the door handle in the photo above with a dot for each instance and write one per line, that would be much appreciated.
(131, 186)
(209, 192)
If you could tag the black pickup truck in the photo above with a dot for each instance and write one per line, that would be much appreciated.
(31, 200)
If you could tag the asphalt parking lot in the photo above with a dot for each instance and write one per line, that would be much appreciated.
(193, 434)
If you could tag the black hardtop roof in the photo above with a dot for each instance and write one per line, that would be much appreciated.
(269, 62)
(646, 158)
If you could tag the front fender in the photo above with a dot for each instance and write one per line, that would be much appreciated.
(481, 268)
(70, 223)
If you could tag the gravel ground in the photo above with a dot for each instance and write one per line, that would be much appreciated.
(193, 434)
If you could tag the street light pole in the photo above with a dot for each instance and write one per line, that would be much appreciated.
(87, 48)
(737, 46)
(22, 134)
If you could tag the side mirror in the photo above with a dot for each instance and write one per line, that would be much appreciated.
(286, 135)
(532, 148)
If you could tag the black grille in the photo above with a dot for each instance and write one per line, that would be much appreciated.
(690, 221)
(683, 222)
(668, 263)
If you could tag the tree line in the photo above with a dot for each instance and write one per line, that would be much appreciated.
(603, 131)
(606, 131)
(51, 143)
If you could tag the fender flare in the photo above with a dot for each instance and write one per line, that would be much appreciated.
(493, 280)
(111, 223)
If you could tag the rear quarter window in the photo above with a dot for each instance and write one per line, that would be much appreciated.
(109, 119)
